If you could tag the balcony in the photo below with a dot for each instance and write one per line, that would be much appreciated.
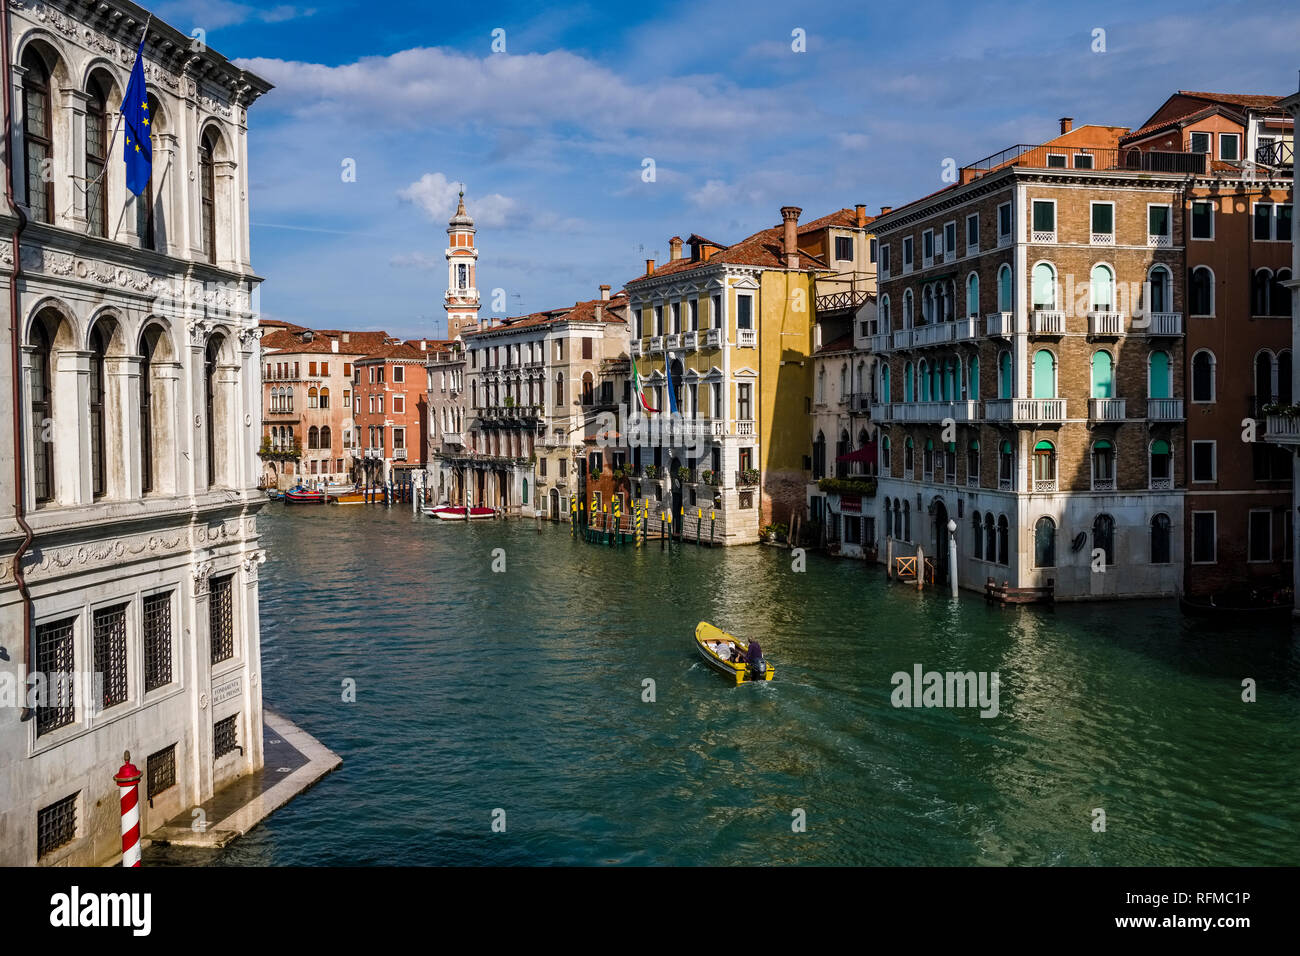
(1106, 409)
(1162, 484)
(453, 438)
(745, 428)
(936, 334)
(934, 411)
(690, 341)
(1000, 325)
(882, 412)
(1159, 242)
(399, 454)
(880, 342)
(1165, 409)
(1044, 485)
(374, 453)
(1049, 322)
(1280, 153)
(966, 329)
(713, 338)
(634, 348)
(1102, 239)
(1165, 323)
(656, 344)
(902, 338)
(673, 341)
(1043, 236)
(1105, 323)
(1025, 411)
(747, 338)
(1283, 430)
(701, 428)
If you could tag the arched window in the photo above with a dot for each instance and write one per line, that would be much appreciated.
(923, 371)
(313, 397)
(990, 539)
(973, 379)
(1260, 285)
(1044, 287)
(885, 461)
(1044, 374)
(1006, 466)
(1045, 543)
(819, 457)
(883, 314)
(98, 451)
(559, 391)
(1103, 537)
(97, 124)
(42, 382)
(324, 397)
(907, 309)
(144, 211)
(976, 536)
(949, 380)
(1162, 474)
(210, 356)
(1004, 533)
(1159, 290)
(821, 384)
(1102, 291)
(844, 382)
(1203, 376)
(313, 437)
(1160, 539)
(972, 295)
(1200, 292)
(1004, 288)
(1160, 379)
(1103, 465)
(909, 383)
(927, 460)
(1004, 374)
(1263, 377)
(1044, 466)
(288, 398)
(973, 462)
(326, 442)
(927, 304)
(909, 457)
(1103, 375)
(38, 137)
(884, 383)
(1279, 295)
(207, 195)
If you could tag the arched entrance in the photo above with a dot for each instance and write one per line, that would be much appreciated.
(675, 482)
(555, 505)
(940, 541)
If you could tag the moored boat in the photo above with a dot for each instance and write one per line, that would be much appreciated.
(726, 654)
(458, 514)
(1243, 606)
(302, 496)
(349, 498)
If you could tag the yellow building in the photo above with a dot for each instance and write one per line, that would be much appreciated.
(733, 327)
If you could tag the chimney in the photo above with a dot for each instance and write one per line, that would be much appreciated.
(790, 247)
(861, 209)
(334, 345)
(649, 267)
(886, 210)
(1067, 124)
(604, 293)
(423, 345)
(599, 313)
(347, 337)
(675, 247)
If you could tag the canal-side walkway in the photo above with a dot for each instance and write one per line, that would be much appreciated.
(294, 761)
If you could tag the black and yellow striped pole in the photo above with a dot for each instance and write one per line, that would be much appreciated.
(712, 515)
(699, 520)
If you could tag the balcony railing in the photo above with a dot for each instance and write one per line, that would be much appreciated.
(1162, 484)
(1044, 485)
(1102, 239)
(747, 338)
(745, 428)
(453, 438)
(399, 454)
(1106, 409)
(1043, 236)
(713, 338)
(1280, 153)
(656, 344)
(1105, 323)
(935, 334)
(701, 428)
(1165, 409)
(1165, 323)
(967, 328)
(902, 338)
(1159, 241)
(1036, 157)
(634, 347)
(374, 453)
(673, 341)
(1029, 411)
(934, 411)
(1283, 430)
(882, 412)
(880, 342)
(1000, 324)
(690, 340)
(1049, 322)
(1103, 484)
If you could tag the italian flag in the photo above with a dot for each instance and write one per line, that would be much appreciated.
(638, 386)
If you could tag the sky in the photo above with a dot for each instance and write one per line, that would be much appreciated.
(588, 134)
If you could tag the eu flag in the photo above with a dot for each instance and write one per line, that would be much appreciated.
(138, 149)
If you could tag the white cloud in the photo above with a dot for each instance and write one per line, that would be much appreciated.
(417, 260)
(215, 14)
(436, 196)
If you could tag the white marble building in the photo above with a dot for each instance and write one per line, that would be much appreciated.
(128, 541)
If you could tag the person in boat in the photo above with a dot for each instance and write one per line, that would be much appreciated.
(752, 653)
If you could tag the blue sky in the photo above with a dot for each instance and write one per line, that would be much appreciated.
(550, 136)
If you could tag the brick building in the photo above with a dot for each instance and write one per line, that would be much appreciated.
(390, 408)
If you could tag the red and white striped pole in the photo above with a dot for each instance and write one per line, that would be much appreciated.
(128, 778)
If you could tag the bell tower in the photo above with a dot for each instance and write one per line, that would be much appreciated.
(461, 300)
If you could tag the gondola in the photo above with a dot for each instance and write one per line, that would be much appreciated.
(720, 650)
(1241, 606)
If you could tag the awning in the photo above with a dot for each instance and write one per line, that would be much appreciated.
(866, 454)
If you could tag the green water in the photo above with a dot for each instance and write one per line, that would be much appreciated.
(523, 691)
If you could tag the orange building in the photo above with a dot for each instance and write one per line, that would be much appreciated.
(390, 402)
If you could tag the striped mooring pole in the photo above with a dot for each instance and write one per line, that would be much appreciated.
(128, 778)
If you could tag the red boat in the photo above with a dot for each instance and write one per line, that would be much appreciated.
(301, 496)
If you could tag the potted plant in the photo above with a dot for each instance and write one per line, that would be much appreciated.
(684, 473)
(651, 471)
(749, 476)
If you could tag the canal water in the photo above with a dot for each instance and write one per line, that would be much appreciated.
(521, 691)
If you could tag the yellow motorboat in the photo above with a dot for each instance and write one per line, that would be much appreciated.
(726, 654)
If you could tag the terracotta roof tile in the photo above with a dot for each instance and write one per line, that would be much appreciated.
(611, 311)
(843, 344)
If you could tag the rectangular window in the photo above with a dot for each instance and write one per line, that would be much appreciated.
(1004, 223)
(379, 404)
(843, 248)
(56, 825)
(907, 252)
(1203, 219)
(927, 245)
(1283, 228)
(694, 308)
(744, 411)
(1263, 221)
(1158, 221)
(347, 369)
(399, 404)
(586, 341)
(399, 437)
(399, 373)
(564, 467)
(1083, 161)
(1200, 143)
(311, 368)
(972, 233)
(1056, 160)
(160, 771)
(884, 259)
(541, 467)
(225, 736)
(950, 238)
(1230, 147)
(156, 620)
(744, 311)
(1204, 537)
(1203, 461)
(109, 628)
(1044, 215)
(874, 248)
(1103, 219)
(324, 368)
(1259, 546)
(221, 618)
(54, 661)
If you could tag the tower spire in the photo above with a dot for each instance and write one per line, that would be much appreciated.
(461, 300)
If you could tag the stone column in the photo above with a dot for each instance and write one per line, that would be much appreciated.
(173, 441)
(72, 464)
(70, 191)
(166, 171)
(122, 429)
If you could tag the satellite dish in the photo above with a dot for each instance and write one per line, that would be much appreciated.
(1080, 540)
